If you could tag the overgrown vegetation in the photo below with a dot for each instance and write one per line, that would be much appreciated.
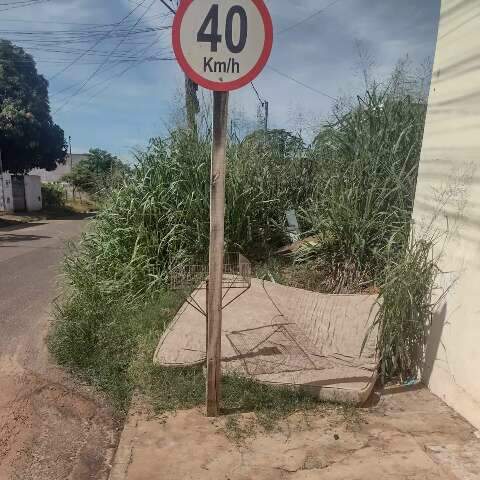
(158, 217)
(96, 174)
(361, 207)
(53, 195)
(406, 309)
(116, 356)
(353, 190)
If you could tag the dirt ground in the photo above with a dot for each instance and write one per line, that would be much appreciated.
(50, 427)
(406, 435)
(51, 431)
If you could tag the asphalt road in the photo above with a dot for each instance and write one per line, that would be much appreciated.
(50, 428)
(30, 260)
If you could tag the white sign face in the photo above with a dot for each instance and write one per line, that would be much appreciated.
(222, 44)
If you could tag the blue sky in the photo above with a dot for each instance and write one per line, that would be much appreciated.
(133, 93)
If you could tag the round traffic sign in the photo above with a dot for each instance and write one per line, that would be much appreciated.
(222, 44)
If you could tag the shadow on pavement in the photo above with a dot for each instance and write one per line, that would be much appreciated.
(13, 238)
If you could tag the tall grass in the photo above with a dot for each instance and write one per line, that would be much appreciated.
(362, 204)
(159, 217)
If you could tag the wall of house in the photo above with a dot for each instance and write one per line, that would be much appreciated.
(6, 193)
(33, 193)
(447, 205)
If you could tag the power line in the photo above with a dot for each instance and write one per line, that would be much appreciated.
(106, 60)
(71, 44)
(168, 6)
(150, 59)
(118, 75)
(314, 14)
(56, 22)
(17, 3)
(301, 83)
(96, 43)
(85, 33)
(27, 3)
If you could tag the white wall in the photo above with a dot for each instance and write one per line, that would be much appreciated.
(448, 192)
(33, 193)
(7, 193)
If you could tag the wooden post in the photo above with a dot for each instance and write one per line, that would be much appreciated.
(207, 290)
(216, 253)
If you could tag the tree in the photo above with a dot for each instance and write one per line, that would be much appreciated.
(99, 171)
(279, 141)
(28, 136)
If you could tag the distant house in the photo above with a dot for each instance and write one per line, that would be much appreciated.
(19, 193)
(61, 170)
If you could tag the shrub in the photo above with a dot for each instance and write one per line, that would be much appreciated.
(53, 195)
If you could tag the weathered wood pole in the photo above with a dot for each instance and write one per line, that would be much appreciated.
(216, 253)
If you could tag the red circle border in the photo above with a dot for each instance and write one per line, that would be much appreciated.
(222, 86)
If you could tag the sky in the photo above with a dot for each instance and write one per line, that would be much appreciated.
(114, 86)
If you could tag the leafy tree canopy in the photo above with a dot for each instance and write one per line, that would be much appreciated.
(28, 137)
(99, 171)
(280, 141)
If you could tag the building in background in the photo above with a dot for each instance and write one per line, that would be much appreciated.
(447, 204)
(61, 170)
(20, 193)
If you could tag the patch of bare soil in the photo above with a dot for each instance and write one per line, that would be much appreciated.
(50, 430)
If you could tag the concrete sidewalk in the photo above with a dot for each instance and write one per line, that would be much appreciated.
(406, 435)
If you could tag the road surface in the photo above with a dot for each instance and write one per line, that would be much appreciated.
(50, 428)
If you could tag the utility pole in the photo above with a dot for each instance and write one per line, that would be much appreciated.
(265, 106)
(192, 106)
(216, 252)
(71, 158)
(1, 179)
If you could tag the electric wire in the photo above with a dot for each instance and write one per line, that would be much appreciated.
(105, 61)
(96, 43)
(305, 85)
(306, 19)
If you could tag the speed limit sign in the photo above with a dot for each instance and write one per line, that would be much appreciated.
(222, 44)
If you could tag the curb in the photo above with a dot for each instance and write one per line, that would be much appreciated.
(123, 455)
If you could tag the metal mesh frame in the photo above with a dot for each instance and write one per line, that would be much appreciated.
(270, 349)
(237, 273)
